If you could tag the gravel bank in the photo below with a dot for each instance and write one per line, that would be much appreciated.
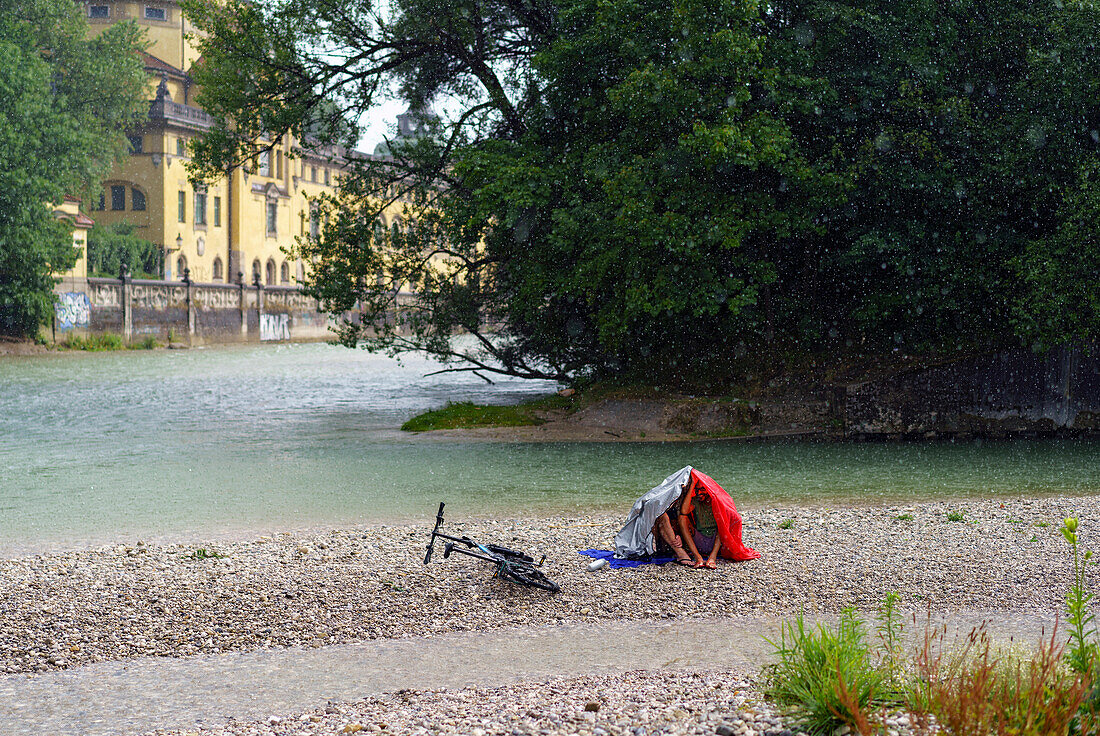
(640, 703)
(65, 609)
(631, 704)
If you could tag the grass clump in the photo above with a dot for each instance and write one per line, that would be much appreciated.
(786, 524)
(467, 415)
(148, 343)
(92, 343)
(903, 517)
(956, 515)
(825, 678)
(202, 553)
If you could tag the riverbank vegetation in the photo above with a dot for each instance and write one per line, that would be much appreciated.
(641, 188)
(827, 678)
(106, 341)
(67, 101)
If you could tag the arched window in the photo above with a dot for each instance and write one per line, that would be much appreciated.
(284, 273)
(379, 230)
(218, 268)
(137, 199)
(301, 272)
(270, 271)
(255, 270)
(181, 263)
(396, 227)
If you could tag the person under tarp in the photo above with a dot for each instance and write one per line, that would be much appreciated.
(681, 503)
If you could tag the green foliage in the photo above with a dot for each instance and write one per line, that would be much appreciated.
(956, 516)
(1060, 302)
(202, 553)
(825, 678)
(466, 415)
(114, 245)
(903, 517)
(93, 343)
(148, 343)
(66, 102)
(1083, 645)
(786, 524)
(643, 188)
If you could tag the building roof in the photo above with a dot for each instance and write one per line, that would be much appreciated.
(160, 66)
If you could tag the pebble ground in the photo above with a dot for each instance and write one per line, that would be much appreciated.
(65, 609)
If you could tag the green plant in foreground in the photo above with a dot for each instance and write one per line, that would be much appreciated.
(956, 515)
(202, 553)
(978, 690)
(786, 524)
(903, 517)
(825, 678)
(1082, 645)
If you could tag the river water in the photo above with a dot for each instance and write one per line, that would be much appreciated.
(105, 447)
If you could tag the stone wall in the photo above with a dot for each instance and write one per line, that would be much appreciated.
(1009, 393)
(187, 313)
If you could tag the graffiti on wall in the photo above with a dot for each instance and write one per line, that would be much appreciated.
(274, 326)
(72, 310)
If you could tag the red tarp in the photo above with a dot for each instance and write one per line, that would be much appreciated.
(725, 514)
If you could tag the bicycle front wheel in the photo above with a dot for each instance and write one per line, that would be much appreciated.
(528, 575)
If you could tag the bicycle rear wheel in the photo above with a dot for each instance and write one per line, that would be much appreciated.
(527, 575)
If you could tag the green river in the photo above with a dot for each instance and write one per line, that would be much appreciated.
(105, 447)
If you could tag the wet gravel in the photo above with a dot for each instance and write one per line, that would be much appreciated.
(331, 586)
(640, 703)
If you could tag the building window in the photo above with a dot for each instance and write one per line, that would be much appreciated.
(301, 272)
(313, 174)
(200, 208)
(181, 207)
(181, 264)
(255, 270)
(152, 13)
(217, 211)
(284, 273)
(135, 143)
(181, 147)
(272, 214)
(118, 197)
(315, 223)
(326, 178)
(263, 167)
(99, 11)
(218, 269)
(102, 203)
(270, 272)
(137, 199)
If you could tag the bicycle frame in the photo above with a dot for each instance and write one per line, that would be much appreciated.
(510, 564)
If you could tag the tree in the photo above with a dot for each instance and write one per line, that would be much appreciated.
(111, 247)
(961, 127)
(641, 187)
(66, 102)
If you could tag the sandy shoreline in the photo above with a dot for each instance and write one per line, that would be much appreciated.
(65, 609)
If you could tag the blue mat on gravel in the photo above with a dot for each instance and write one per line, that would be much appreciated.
(614, 564)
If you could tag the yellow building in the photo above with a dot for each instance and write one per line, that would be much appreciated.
(237, 225)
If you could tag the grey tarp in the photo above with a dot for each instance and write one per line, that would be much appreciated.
(636, 539)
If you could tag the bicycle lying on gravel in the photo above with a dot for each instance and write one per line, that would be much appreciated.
(511, 565)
